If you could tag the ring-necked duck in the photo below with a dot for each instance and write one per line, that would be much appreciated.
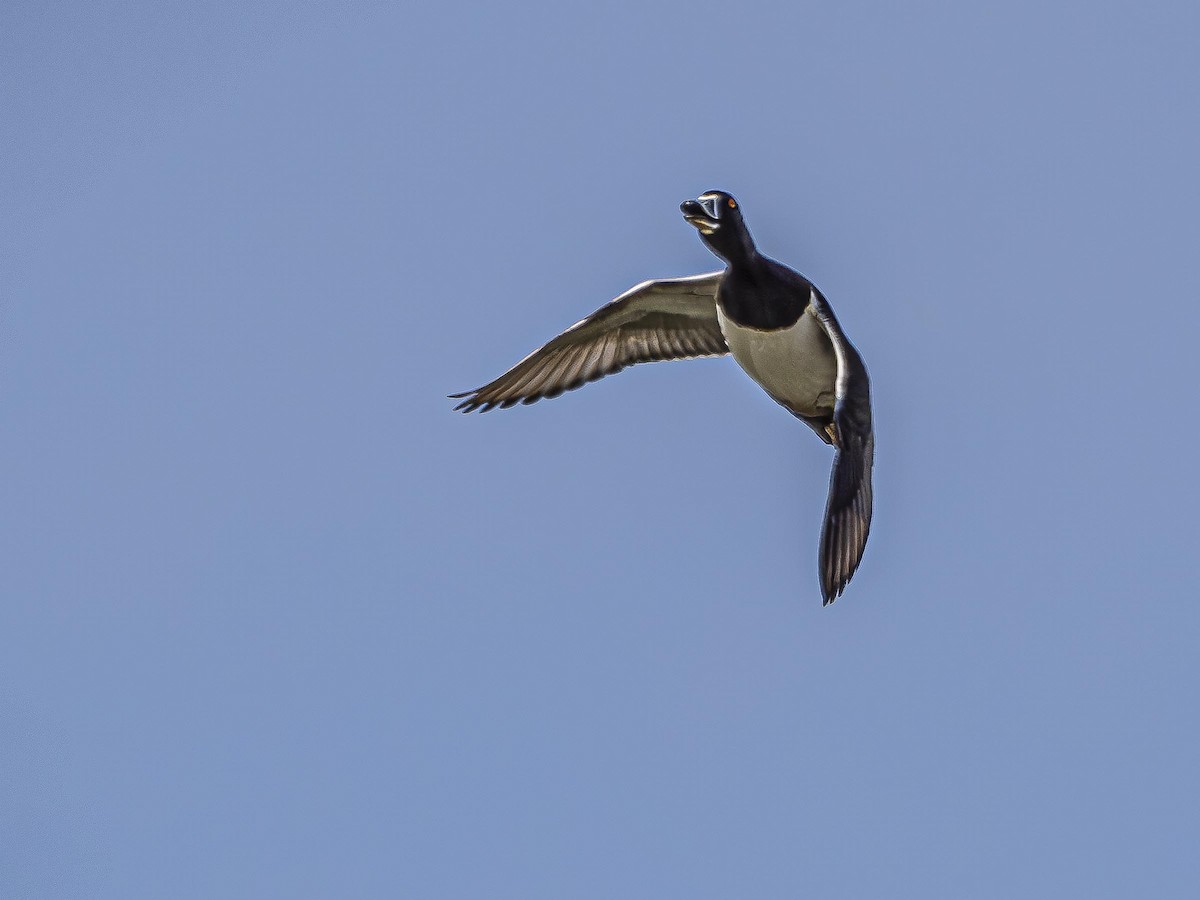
(777, 326)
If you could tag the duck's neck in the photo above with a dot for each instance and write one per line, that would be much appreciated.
(735, 247)
(747, 263)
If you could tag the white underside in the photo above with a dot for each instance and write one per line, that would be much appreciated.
(796, 366)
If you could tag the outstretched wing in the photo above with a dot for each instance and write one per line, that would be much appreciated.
(655, 320)
(850, 504)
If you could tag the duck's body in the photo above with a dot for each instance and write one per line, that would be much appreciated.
(778, 328)
(795, 364)
(773, 333)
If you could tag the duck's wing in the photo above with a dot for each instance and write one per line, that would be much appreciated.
(656, 320)
(851, 501)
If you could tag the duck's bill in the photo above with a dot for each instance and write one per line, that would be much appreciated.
(700, 215)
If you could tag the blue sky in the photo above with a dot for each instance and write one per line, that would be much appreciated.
(276, 623)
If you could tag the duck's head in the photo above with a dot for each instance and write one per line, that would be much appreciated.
(718, 218)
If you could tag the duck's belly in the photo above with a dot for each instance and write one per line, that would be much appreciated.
(796, 365)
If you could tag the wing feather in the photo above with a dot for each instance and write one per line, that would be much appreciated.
(655, 320)
(851, 500)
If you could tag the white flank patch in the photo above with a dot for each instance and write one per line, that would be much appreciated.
(797, 366)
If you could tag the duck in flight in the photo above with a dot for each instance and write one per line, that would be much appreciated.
(777, 326)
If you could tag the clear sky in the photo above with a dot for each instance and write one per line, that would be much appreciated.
(277, 623)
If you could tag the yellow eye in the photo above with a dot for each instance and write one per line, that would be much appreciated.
(732, 204)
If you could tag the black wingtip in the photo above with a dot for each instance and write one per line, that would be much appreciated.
(468, 405)
(830, 592)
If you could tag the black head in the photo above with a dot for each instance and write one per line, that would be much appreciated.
(718, 218)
